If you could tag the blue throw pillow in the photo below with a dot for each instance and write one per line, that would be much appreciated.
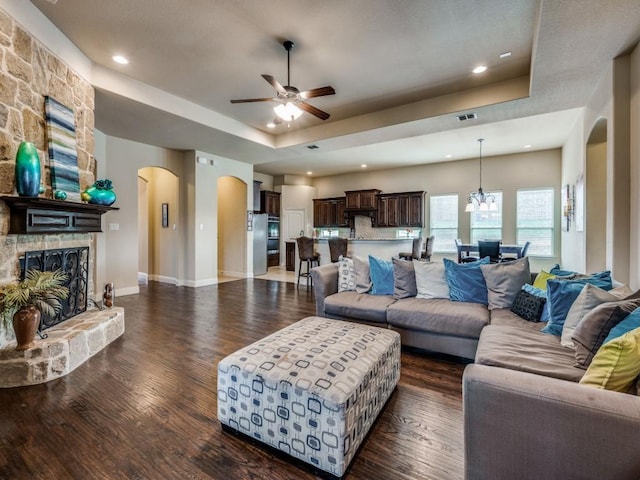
(556, 270)
(381, 272)
(466, 281)
(630, 323)
(562, 293)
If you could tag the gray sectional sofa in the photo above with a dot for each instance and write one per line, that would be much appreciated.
(525, 414)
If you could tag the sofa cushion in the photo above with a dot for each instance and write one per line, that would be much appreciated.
(505, 316)
(526, 350)
(363, 278)
(596, 325)
(431, 280)
(346, 275)
(362, 306)
(616, 365)
(562, 293)
(381, 272)
(466, 282)
(404, 279)
(462, 319)
(504, 280)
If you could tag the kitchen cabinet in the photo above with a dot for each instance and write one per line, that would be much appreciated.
(400, 209)
(290, 256)
(273, 259)
(270, 202)
(329, 212)
(362, 199)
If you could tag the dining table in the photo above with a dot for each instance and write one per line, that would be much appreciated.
(472, 249)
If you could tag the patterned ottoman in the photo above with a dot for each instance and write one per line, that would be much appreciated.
(312, 389)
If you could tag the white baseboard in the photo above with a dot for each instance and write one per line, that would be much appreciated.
(163, 279)
(143, 277)
(231, 273)
(121, 292)
(200, 283)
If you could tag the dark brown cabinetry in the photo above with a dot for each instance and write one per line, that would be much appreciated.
(329, 212)
(362, 199)
(270, 202)
(273, 259)
(400, 209)
(290, 256)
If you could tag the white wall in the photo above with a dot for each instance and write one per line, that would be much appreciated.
(634, 155)
(232, 226)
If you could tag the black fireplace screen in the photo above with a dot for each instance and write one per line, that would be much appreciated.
(75, 263)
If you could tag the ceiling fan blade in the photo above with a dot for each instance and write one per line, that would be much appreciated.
(313, 110)
(274, 83)
(250, 100)
(317, 92)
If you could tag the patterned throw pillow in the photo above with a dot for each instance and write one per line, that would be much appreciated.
(346, 275)
(528, 306)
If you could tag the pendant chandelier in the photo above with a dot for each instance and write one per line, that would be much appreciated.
(479, 200)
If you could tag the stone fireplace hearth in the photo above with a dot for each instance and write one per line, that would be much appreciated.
(68, 345)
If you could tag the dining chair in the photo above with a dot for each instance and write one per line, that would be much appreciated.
(462, 258)
(489, 248)
(337, 248)
(520, 254)
(428, 249)
(415, 250)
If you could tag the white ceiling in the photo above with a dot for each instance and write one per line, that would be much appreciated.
(401, 71)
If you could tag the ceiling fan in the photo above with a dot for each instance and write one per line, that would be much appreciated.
(291, 101)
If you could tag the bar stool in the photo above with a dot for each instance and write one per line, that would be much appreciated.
(306, 254)
(415, 251)
(337, 247)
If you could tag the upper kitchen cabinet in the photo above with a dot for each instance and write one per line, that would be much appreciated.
(270, 202)
(362, 199)
(400, 209)
(330, 212)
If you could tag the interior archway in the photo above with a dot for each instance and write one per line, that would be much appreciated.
(596, 198)
(158, 218)
(232, 237)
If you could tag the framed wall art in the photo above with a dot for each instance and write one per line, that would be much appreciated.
(165, 215)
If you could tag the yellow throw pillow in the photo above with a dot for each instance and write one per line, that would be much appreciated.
(541, 279)
(616, 365)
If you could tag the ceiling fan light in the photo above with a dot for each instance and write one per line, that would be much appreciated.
(287, 111)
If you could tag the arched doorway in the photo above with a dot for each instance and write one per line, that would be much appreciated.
(232, 225)
(596, 198)
(158, 217)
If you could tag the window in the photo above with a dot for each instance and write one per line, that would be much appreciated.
(487, 225)
(408, 233)
(534, 220)
(443, 222)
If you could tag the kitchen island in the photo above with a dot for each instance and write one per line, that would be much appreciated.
(383, 248)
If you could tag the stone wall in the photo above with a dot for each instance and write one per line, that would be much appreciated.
(28, 72)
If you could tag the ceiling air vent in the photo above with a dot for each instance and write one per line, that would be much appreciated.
(466, 116)
(312, 147)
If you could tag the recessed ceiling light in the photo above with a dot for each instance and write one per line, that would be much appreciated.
(120, 59)
(505, 54)
(364, 165)
(271, 125)
(309, 173)
(479, 69)
(448, 155)
(527, 146)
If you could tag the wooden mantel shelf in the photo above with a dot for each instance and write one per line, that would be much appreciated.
(35, 215)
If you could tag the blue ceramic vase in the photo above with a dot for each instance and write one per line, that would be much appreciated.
(27, 170)
(100, 193)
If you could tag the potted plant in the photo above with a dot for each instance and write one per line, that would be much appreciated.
(24, 302)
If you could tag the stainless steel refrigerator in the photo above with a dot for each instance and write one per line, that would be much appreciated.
(259, 244)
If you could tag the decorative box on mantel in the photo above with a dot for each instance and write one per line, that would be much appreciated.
(42, 215)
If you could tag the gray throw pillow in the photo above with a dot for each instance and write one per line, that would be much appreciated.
(595, 326)
(404, 279)
(363, 278)
(504, 281)
(431, 280)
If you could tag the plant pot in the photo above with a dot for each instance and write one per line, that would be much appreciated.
(25, 325)
(99, 196)
(28, 170)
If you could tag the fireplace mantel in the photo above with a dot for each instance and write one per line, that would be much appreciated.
(37, 215)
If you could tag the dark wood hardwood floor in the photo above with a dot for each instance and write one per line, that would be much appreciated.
(145, 406)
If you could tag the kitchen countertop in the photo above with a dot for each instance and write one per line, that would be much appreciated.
(357, 240)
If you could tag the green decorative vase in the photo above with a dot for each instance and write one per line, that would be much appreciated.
(101, 197)
(27, 170)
